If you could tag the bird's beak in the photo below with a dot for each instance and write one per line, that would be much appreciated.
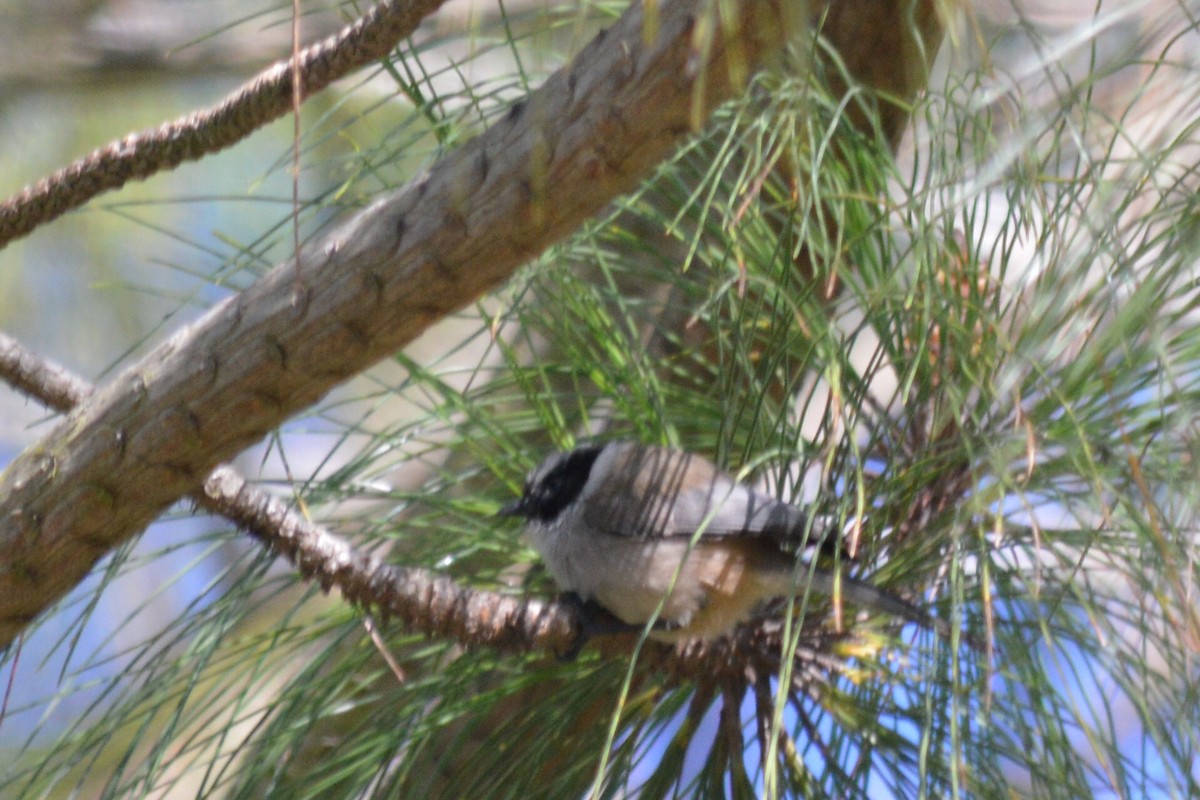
(513, 509)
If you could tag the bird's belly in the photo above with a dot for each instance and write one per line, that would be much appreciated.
(717, 586)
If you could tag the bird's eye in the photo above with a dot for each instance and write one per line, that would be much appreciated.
(559, 483)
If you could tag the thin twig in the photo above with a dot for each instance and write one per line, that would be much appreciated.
(263, 99)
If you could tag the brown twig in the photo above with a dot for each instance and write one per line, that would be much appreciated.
(261, 100)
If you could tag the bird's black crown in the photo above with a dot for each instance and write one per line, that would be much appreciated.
(556, 483)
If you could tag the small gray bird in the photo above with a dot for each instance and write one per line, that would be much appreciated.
(614, 522)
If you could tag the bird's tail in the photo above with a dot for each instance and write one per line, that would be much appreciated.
(857, 592)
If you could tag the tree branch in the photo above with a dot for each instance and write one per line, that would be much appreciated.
(265, 98)
(594, 130)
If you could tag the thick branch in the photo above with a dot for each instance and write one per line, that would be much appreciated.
(595, 129)
(265, 98)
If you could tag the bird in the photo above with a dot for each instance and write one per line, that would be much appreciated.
(633, 527)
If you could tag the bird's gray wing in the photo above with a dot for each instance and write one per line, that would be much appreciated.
(672, 493)
(734, 509)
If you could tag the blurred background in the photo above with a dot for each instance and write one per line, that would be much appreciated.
(102, 285)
